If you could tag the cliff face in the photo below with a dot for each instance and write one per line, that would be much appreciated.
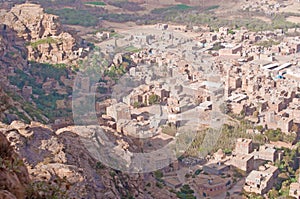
(46, 41)
(60, 165)
(13, 53)
(14, 176)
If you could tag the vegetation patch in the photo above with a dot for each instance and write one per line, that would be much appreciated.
(169, 129)
(115, 72)
(185, 192)
(153, 99)
(120, 18)
(116, 35)
(179, 7)
(132, 49)
(124, 4)
(44, 189)
(217, 46)
(277, 135)
(158, 174)
(48, 40)
(44, 71)
(280, 22)
(45, 104)
(212, 7)
(75, 17)
(95, 3)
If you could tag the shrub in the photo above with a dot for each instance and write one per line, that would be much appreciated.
(158, 174)
(99, 165)
(43, 189)
(130, 6)
(48, 40)
(159, 185)
(185, 192)
(153, 99)
(96, 3)
(137, 104)
(176, 8)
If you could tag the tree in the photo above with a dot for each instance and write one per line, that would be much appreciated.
(259, 128)
(274, 135)
(136, 105)
(273, 194)
(158, 174)
(186, 189)
(186, 192)
(153, 99)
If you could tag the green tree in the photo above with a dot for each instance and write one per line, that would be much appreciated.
(273, 194)
(259, 128)
(136, 104)
(158, 174)
(153, 99)
(185, 192)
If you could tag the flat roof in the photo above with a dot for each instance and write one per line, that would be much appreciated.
(209, 180)
(216, 165)
(270, 66)
(172, 180)
(205, 104)
(243, 157)
(237, 97)
(283, 66)
(264, 175)
(295, 185)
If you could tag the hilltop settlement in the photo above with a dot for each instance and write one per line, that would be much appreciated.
(190, 111)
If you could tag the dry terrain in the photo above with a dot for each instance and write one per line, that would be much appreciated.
(294, 19)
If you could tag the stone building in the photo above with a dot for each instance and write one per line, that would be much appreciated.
(266, 152)
(260, 182)
(244, 162)
(27, 92)
(243, 146)
(211, 185)
(119, 111)
(295, 189)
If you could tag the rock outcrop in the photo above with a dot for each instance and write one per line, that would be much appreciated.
(56, 164)
(60, 160)
(59, 165)
(13, 53)
(46, 40)
(14, 176)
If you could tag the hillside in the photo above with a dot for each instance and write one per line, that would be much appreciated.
(59, 166)
(45, 39)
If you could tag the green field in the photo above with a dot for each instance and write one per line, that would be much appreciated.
(75, 17)
(179, 7)
(95, 3)
(48, 40)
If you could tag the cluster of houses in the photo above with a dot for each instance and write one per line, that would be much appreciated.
(181, 73)
(267, 6)
(259, 81)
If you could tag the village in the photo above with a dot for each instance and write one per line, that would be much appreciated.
(150, 99)
(182, 78)
(186, 81)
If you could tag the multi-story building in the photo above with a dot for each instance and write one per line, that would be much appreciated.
(243, 146)
(260, 182)
(211, 185)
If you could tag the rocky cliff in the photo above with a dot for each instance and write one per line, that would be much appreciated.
(14, 176)
(59, 165)
(13, 56)
(13, 53)
(46, 40)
